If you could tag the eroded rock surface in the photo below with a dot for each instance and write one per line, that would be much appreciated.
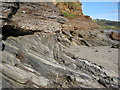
(115, 36)
(33, 51)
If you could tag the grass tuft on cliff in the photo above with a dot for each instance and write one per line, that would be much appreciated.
(68, 15)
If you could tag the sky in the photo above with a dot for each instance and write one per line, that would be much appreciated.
(101, 10)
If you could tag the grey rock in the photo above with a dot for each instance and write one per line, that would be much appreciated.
(39, 60)
(62, 20)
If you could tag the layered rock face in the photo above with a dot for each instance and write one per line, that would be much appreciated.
(32, 17)
(73, 11)
(33, 50)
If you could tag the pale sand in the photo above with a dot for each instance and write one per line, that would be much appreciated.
(104, 56)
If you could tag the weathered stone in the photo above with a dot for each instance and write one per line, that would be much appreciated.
(34, 44)
(62, 20)
(115, 36)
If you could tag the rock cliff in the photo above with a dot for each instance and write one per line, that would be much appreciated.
(34, 38)
(73, 11)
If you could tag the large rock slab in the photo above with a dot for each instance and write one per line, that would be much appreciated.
(32, 17)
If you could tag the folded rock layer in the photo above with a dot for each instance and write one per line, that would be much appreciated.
(33, 49)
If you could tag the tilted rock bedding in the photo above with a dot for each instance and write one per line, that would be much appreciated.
(33, 45)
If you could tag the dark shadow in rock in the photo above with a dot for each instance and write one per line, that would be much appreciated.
(80, 36)
(8, 30)
(5, 19)
(14, 10)
(3, 47)
(84, 42)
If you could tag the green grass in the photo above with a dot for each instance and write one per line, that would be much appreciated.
(68, 15)
(106, 24)
(109, 27)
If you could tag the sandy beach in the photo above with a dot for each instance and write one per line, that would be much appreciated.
(104, 56)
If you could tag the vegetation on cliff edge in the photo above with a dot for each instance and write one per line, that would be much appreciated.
(107, 24)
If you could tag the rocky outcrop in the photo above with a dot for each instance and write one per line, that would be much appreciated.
(70, 8)
(33, 51)
(73, 11)
(28, 60)
(39, 13)
(115, 36)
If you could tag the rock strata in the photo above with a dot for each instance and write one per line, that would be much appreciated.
(34, 56)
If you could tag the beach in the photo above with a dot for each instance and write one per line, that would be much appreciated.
(104, 56)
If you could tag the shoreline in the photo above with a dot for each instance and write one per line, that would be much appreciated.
(105, 56)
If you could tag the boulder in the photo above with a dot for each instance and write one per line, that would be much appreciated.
(115, 36)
